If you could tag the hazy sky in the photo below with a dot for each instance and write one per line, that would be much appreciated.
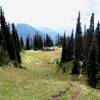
(50, 13)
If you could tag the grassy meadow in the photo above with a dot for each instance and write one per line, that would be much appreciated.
(40, 79)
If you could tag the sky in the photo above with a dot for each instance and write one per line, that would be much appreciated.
(55, 14)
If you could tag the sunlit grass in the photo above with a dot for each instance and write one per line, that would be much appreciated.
(41, 79)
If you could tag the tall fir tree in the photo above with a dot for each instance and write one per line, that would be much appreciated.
(17, 44)
(92, 63)
(92, 25)
(78, 40)
(64, 55)
(22, 44)
(48, 41)
(4, 57)
(3, 29)
(28, 45)
(89, 35)
(78, 50)
(97, 34)
(71, 46)
(38, 42)
(10, 44)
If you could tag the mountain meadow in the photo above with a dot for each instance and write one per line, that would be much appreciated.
(40, 64)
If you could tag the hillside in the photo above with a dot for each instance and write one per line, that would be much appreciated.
(40, 80)
(25, 29)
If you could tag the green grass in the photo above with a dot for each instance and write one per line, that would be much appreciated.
(40, 79)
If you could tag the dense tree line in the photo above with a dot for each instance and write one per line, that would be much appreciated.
(38, 42)
(84, 50)
(9, 43)
(48, 42)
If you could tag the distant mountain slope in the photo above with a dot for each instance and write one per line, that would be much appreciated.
(25, 29)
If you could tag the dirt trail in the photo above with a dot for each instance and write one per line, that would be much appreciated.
(61, 93)
(77, 94)
(78, 91)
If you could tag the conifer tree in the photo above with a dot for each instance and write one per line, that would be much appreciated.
(48, 41)
(31, 44)
(44, 42)
(38, 42)
(89, 36)
(16, 42)
(64, 55)
(78, 47)
(28, 47)
(10, 44)
(21, 44)
(97, 33)
(70, 46)
(4, 57)
(78, 40)
(92, 64)
(91, 29)
(3, 28)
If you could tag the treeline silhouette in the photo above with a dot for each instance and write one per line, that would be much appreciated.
(38, 42)
(9, 43)
(84, 50)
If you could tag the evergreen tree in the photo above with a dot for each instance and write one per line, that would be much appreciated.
(38, 42)
(92, 64)
(28, 47)
(78, 40)
(78, 47)
(44, 42)
(6, 39)
(87, 40)
(21, 44)
(16, 42)
(70, 46)
(35, 41)
(97, 33)
(64, 55)
(3, 29)
(10, 44)
(85, 50)
(4, 57)
(31, 43)
(92, 25)
(48, 41)
(89, 35)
